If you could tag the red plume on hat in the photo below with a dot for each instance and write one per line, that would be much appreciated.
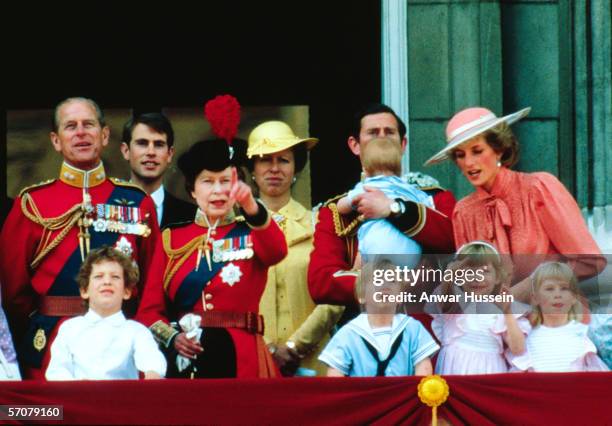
(223, 114)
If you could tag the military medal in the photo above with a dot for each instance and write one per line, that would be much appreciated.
(236, 248)
(40, 340)
(230, 274)
(124, 246)
(123, 219)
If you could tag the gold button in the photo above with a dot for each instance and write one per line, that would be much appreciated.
(208, 296)
(209, 306)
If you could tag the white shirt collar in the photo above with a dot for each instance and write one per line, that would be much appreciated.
(158, 196)
(115, 319)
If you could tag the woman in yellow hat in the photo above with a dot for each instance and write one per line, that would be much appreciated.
(296, 329)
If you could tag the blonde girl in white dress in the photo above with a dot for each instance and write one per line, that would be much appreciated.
(558, 341)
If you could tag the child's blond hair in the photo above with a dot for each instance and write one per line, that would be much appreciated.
(562, 272)
(478, 254)
(366, 275)
(382, 155)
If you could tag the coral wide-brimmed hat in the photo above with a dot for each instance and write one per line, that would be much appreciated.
(469, 123)
(274, 136)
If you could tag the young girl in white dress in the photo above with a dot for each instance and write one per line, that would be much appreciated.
(475, 335)
(558, 341)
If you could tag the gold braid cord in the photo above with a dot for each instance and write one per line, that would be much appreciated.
(176, 257)
(64, 222)
(340, 230)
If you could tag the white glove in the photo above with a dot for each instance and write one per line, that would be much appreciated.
(190, 324)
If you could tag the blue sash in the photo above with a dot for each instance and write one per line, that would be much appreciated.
(190, 290)
(65, 282)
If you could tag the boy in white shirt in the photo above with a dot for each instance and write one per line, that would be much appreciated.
(103, 344)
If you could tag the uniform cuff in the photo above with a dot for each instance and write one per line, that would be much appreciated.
(412, 220)
(260, 220)
(163, 333)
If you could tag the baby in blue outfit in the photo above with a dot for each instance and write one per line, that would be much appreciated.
(381, 159)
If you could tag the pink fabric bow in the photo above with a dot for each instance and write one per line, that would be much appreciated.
(498, 223)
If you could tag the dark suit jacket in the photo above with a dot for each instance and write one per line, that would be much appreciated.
(4, 211)
(176, 210)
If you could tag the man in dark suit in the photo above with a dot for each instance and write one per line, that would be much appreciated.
(148, 144)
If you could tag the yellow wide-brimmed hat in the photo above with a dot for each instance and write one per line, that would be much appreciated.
(274, 136)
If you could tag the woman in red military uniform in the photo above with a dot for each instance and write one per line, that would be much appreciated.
(215, 268)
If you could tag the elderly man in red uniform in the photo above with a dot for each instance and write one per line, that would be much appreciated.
(53, 225)
(330, 276)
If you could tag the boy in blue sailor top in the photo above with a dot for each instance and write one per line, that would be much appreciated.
(379, 342)
(103, 344)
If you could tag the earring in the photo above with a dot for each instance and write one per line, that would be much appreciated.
(294, 180)
(253, 178)
(498, 163)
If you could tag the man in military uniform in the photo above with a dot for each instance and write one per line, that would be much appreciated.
(331, 279)
(148, 144)
(53, 225)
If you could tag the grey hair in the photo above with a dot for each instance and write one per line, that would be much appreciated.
(96, 107)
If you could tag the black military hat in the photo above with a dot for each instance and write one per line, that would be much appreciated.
(212, 154)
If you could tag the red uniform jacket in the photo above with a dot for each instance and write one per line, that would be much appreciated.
(55, 274)
(168, 299)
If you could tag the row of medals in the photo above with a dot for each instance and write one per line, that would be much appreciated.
(220, 255)
(122, 226)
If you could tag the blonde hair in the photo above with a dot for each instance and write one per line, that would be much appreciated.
(480, 253)
(365, 278)
(381, 155)
(562, 272)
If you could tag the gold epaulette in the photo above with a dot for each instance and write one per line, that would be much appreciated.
(422, 181)
(334, 199)
(123, 182)
(36, 185)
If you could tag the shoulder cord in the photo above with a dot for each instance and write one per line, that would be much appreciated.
(65, 222)
(177, 257)
(338, 226)
(344, 233)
